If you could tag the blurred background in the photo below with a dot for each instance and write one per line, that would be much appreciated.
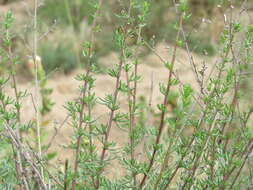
(64, 26)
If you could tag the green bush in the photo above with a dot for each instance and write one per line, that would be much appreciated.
(66, 12)
(58, 57)
(201, 45)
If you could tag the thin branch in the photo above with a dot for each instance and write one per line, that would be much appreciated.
(165, 104)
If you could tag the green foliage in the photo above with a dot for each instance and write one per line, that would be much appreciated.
(66, 12)
(201, 45)
(58, 57)
(8, 178)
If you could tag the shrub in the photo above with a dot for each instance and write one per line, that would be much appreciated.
(66, 12)
(58, 56)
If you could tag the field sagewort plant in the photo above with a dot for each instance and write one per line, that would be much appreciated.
(216, 154)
